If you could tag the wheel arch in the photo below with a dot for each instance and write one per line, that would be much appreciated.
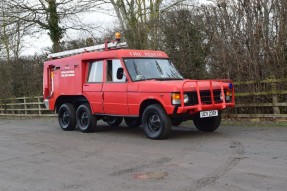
(144, 104)
(74, 100)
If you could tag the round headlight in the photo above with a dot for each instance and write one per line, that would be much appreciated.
(185, 98)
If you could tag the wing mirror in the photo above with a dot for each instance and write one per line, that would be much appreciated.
(120, 73)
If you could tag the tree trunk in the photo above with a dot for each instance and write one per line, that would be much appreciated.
(55, 31)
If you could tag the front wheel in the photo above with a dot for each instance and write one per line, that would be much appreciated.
(156, 123)
(67, 117)
(85, 120)
(208, 124)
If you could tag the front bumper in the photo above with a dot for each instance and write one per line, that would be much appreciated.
(212, 97)
(196, 108)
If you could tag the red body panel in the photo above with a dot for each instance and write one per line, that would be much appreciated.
(94, 93)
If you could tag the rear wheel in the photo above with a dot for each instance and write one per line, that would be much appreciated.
(67, 117)
(85, 120)
(208, 124)
(114, 121)
(133, 122)
(156, 123)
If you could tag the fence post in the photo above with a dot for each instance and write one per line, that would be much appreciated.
(39, 106)
(25, 106)
(1, 107)
(12, 106)
(276, 109)
(5, 106)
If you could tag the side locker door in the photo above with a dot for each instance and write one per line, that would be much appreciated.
(49, 84)
(115, 90)
(93, 85)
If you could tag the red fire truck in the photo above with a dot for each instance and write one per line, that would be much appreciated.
(142, 87)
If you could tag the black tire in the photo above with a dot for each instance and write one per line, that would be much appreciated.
(114, 121)
(176, 122)
(208, 124)
(156, 123)
(67, 117)
(133, 122)
(85, 120)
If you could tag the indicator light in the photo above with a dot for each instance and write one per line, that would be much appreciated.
(230, 86)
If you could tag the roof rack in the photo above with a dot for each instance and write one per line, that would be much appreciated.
(100, 47)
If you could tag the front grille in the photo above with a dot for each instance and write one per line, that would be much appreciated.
(205, 96)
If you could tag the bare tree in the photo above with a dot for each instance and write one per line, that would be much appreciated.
(247, 39)
(11, 35)
(140, 20)
(53, 16)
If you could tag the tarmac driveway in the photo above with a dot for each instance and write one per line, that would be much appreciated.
(36, 155)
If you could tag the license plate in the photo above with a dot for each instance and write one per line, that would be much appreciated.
(212, 113)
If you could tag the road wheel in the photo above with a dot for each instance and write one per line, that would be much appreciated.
(67, 117)
(133, 122)
(114, 121)
(208, 124)
(156, 123)
(176, 122)
(85, 120)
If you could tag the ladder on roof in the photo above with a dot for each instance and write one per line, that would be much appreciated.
(100, 47)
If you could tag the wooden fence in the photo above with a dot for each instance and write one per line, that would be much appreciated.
(254, 99)
(24, 106)
(261, 99)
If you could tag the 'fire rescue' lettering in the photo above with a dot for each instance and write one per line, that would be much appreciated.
(146, 54)
(135, 54)
(67, 73)
(152, 54)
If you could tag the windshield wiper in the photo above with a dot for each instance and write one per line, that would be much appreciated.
(135, 67)
(158, 67)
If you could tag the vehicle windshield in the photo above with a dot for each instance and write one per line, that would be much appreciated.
(152, 69)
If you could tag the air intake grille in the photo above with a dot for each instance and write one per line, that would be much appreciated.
(205, 96)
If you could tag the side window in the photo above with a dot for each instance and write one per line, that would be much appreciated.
(112, 68)
(96, 72)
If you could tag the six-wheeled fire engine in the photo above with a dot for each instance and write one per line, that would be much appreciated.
(107, 82)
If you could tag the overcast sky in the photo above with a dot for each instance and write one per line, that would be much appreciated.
(37, 43)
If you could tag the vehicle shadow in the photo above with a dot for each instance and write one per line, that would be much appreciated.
(178, 132)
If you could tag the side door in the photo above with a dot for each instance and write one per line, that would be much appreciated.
(93, 85)
(115, 90)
